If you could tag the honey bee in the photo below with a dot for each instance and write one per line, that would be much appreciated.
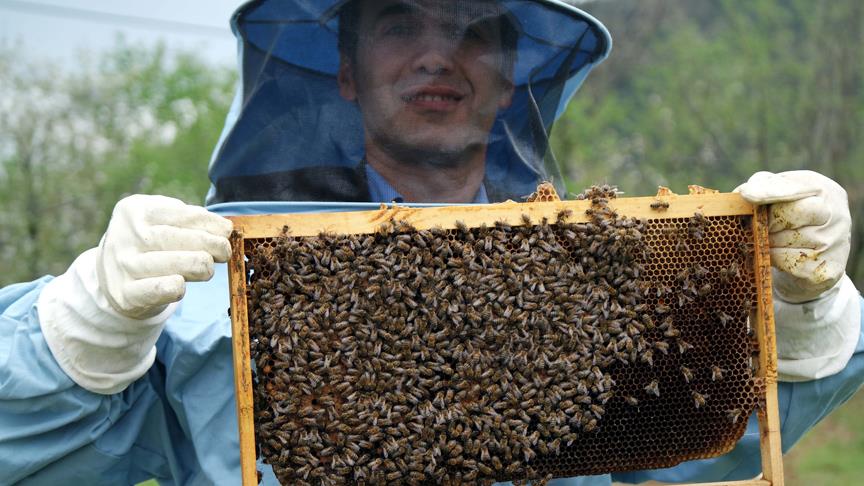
(722, 317)
(659, 205)
(563, 215)
(648, 321)
(604, 397)
(745, 250)
(699, 399)
(393, 476)
(730, 273)
(647, 357)
(734, 415)
(304, 471)
(683, 346)
(717, 373)
(688, 375)
(699, 271)
(653, 388)
(681, 245)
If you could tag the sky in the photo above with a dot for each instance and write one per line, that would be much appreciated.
(57, 30)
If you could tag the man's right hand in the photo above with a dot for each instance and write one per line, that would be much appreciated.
(101, 318)
(153, 246)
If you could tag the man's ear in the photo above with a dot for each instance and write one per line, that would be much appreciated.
(345, 78)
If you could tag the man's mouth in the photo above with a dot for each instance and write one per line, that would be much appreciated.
(433, 97)
(430, 97)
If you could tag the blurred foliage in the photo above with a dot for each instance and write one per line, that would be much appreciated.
(710, 92)
(72, 144)
(831, 453)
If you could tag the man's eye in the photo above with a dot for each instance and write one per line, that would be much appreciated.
(477, 34)
(405, 29)
(473, 33)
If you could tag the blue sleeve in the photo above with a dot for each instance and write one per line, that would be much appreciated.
(177, 423)
(801, 405)
(51, 430)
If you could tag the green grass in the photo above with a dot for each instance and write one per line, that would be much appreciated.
(833, 452)
(830, 454)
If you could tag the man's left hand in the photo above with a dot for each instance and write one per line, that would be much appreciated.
(817, 308)
(809, 228)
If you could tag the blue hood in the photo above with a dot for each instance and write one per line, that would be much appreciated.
(289, 125)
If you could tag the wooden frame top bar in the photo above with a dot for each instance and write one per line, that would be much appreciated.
(364, 222)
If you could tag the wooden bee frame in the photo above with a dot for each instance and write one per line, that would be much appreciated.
(648, 208)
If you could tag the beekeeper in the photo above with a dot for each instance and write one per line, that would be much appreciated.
(119, 370)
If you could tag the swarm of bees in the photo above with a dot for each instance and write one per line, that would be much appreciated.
(475, 355)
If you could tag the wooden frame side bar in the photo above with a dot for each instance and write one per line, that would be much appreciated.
(769, 415)
(242, 360)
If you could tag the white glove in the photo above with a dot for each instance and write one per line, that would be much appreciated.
(102, 317)
(817, 308)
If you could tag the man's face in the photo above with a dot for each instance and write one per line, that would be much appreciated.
(429, 76)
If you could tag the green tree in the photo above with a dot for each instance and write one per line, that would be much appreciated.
(73, 143)
(710, 92)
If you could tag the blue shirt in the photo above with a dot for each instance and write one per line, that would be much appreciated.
(381, 191)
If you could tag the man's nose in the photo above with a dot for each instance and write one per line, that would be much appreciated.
(435, 54)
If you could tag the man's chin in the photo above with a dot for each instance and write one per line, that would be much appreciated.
(449, 140)
(435, 152)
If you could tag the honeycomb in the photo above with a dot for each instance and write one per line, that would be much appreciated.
(545, 193)
(665, 354)
(663, 433)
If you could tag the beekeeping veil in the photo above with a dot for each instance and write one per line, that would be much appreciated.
(504, 72)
